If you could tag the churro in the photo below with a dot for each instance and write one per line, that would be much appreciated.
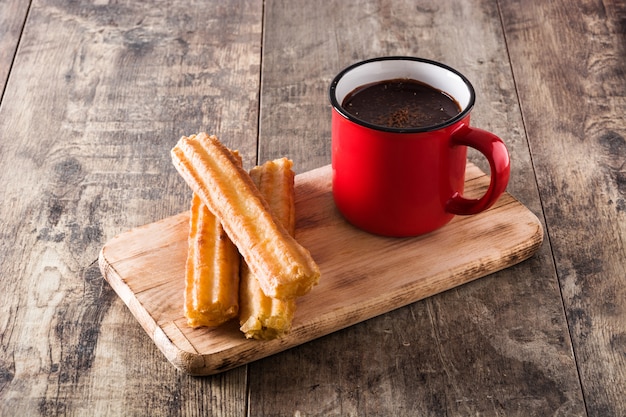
(260, 316)
(282, 266)
(212, 270)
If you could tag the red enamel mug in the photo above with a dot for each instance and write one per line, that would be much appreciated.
(408, 181)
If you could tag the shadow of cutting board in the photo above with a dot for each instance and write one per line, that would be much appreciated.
(362, 275)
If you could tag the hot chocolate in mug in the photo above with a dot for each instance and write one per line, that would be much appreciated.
(400, 131)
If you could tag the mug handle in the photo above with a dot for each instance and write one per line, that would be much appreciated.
(499, 162)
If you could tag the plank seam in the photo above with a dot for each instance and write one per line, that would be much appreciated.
(17, 47)
(543, 210)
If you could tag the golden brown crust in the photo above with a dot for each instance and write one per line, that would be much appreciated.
(212, 270)
(263, 317)
(283, 267)
(275, 181)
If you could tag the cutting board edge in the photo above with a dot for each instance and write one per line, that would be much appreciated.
(189, 360)
(205, 364)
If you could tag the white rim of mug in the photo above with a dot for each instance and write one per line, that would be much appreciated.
(466, 101)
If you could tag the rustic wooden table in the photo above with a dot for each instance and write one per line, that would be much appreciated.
(95, 94)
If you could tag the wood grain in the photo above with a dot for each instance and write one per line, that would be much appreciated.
(99, 93)
(497, 346)
(364, 275)
(570, 62)
(12, 16)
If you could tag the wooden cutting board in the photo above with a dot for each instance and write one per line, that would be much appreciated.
(362, 275)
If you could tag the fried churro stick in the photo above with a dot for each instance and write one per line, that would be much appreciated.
(212, 270)
(260, 316)
(283, 267)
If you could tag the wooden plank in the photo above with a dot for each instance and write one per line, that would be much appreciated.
(99, 93)
(12, 17)
(569, 58)
(363, 275)
(499, 345)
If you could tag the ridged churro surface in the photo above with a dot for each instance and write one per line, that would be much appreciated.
(212, 270)
(260, 316)
(283, 267)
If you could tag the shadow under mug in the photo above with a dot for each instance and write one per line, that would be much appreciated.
(408, 181)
